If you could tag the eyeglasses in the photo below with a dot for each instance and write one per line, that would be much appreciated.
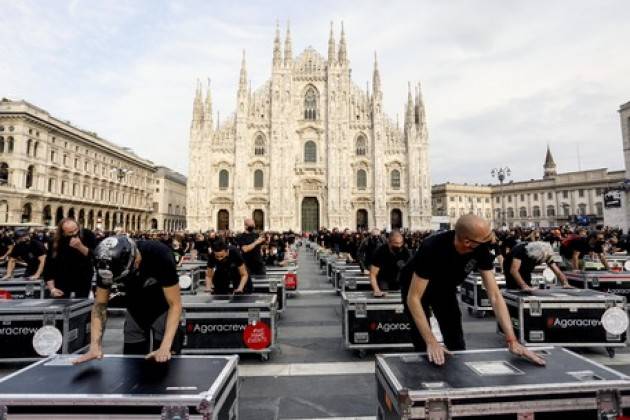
(72, 235)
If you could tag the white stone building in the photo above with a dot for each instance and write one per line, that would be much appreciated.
(308, 149)
(169, 200)
(50, 169)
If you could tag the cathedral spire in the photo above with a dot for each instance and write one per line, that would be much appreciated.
(409, 119)
(198, 106)
(343, 51)
(288, 54)
(242, 84)
(277, 54)
(331, 47)
(208, 110)
(376, 78)
(419, 110)
(550, 165)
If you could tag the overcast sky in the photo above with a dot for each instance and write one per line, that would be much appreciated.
(501, 79)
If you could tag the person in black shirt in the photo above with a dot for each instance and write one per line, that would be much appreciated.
(6, 244)
(387, 262)
(148, 274)
(249, 242)
(226, 271)
(30, 251)
(367, 248)
(576, 248)
(520, 263)
(201, 247)
(69, 269)
(442, 263)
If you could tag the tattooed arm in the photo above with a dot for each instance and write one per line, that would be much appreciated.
(99, 319)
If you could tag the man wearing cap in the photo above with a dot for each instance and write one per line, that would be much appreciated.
(27, 250)
(148, 274)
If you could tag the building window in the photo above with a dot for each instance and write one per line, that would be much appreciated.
(258, 179)
(310, 152)
(259, 146)
(565, 194)
(224, 179)
(395, 179)
(599, 209)
(451, 199)
(29, 145)
(522, 212)
(549, 196)
(535, 196)
(551, 211)
(598, 192)
(4, 173)
(498, 199)
(510, 213)
(10, 145)
(310, 104)
(51, 185)
(509, 198)
(582, 209)
(1, 144)
(63, 187)
(566, 210)
(361, 179)
(522, 197)
(536, 211)
(361, 146)
(581, 193)
(29, 176)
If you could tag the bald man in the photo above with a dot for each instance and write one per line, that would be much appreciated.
(441, 264)
(249, 243)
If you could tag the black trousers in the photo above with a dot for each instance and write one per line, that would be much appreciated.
(445, 308)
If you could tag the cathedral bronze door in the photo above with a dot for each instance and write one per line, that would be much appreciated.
(223, 220)
(362, 219)
(310, 214)
(395, 219)
(259, 219)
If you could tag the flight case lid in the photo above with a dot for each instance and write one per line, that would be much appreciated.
(42, 305)
(368, 297)
(230, 301)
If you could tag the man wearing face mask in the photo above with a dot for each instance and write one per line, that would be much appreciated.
(69, 269)
(226, 271)
(249, 243)
(387, 262)
(440, 265)
(575, 249)
(368, 247)
(146, 270)
(30, 251)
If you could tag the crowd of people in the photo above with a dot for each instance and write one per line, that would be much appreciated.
(424, 266)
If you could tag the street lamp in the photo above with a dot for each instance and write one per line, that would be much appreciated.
(120, 173)
(501, 174)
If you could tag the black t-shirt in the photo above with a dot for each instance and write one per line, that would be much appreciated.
(144, 288)
(527, 266)
(201, 246)
(226, 276)
(29, 252)
(253, 259)
(389, 265)
(582, 246)
(70, 269)
(438, 261)
(5, 244)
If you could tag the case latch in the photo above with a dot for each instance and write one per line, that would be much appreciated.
(360, 310)
(175, 413)
(437, 410)
(535, 308)
(608, 404)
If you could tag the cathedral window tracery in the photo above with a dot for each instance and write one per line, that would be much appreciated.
(310, 104)
(224, 179)
(310, 152)
(361, 146)
(259, 146)
(395, 179)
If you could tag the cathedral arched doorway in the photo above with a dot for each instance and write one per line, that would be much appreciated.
(58, 215)
(362, 219)
(154, 224)
(223, 220)
(310, 214)
(71, 213)
(395, 219)
(259, 219)
(46, 216)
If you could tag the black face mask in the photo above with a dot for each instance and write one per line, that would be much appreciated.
(250, 228)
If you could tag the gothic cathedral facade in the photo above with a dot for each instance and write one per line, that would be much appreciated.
(309, 149)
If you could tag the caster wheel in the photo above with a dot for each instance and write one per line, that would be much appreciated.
(610, 351)
(264, 356)
(361, 354)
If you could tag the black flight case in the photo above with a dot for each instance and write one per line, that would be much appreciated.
(123, 387)
(23, 288)
(228, 324)
(494, 384)
(21, 319)
(565, 317)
